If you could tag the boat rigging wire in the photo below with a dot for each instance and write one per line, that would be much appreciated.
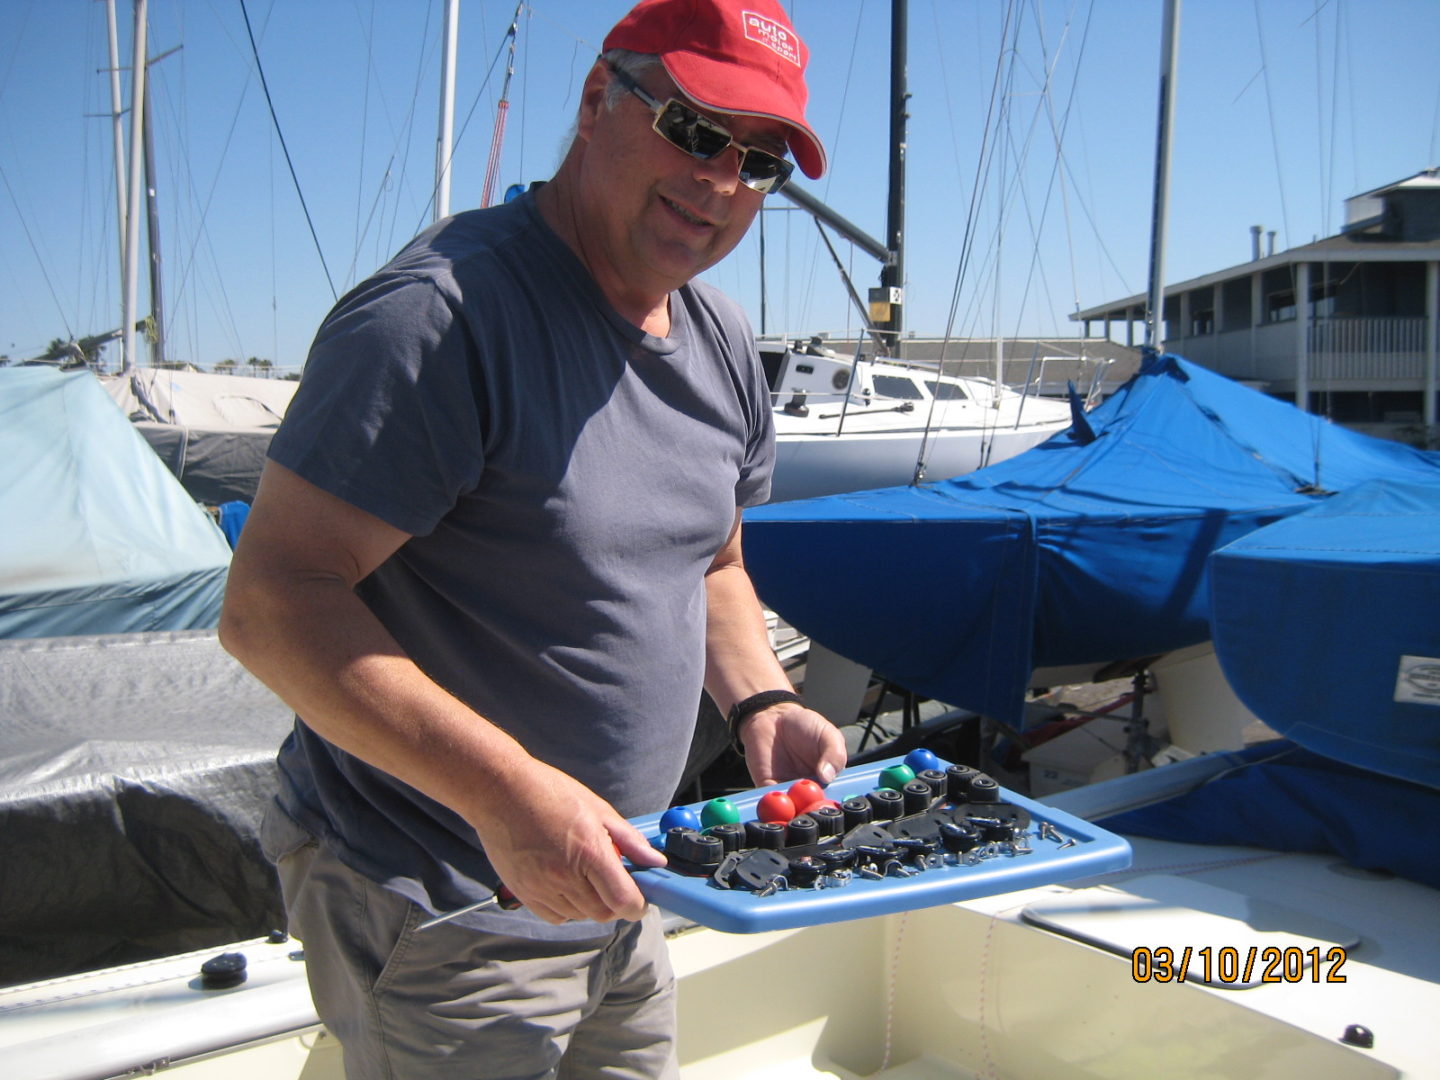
(182, 291)
(265, 86)
(967, 242)
(1058, 137)
(998, 119)
(388, 181)
(19, 216)
(502, 108)
(806, 301)
(369, 36)
(1274, 127)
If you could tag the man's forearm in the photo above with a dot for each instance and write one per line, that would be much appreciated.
(317, 645)
(739, 661)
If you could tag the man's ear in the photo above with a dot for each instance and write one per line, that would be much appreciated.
(592, 99)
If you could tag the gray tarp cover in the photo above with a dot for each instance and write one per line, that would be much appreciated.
(211, 430)
(134, 770)
(215, 465)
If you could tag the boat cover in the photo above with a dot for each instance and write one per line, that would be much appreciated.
(200, 400)
(215, 465)
(212, 431)
(134, 770)
(98, 537)
(1283, 797)
(1352, 668)
(1091, 547)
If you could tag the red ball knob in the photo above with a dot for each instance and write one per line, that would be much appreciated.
(775, 806)
(805, 794)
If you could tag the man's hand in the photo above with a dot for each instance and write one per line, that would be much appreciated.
(788, 741)
(557, 847)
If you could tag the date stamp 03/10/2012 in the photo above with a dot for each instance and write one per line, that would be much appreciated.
(1228, 965)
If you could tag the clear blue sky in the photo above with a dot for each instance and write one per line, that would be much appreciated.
(1284, 108)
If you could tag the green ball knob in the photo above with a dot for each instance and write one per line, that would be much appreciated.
(897, 776)
(719, 812)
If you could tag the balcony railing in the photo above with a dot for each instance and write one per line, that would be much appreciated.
(1367, 348)
(1360, 351)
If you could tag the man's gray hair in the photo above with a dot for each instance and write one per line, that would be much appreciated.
(633, 64)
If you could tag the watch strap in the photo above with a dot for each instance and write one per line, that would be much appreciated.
(746, 708)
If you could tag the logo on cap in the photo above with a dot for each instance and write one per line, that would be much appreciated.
(775, 37)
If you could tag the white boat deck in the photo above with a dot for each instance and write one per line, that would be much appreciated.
(966, 990)
(976, 990)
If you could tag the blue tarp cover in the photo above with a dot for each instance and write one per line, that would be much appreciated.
(98, 536)
(1327, 626)
(1294, 800)
(1091, 547)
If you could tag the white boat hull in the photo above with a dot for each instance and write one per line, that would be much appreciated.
(809, 465)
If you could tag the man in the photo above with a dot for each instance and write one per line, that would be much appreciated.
(496, 553)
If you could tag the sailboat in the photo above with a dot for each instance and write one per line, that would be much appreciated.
(849, 425)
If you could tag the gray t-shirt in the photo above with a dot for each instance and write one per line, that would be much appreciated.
(567, 480)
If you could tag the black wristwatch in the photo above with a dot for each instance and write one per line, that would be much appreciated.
(753, 704)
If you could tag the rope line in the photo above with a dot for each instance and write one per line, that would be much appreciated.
(269, 101)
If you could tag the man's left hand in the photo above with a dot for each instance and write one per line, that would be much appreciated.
(788, 742)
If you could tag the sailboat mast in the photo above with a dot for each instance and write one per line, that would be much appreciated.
(443, 148)
(152, 225)
(1169, 43)
(130, 283)
(892, 274)
(117, 114)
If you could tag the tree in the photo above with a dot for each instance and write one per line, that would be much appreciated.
(226, 366)
(259, 364)
(86, 352)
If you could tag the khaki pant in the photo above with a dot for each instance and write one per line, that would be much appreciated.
(450, 1002)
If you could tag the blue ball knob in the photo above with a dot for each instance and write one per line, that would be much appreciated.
(679, 817)
(921, 759)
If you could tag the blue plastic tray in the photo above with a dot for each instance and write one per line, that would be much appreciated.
(739, 911)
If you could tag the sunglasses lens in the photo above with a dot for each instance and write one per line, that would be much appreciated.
(702, 138)
(764, 172)
(691, 132)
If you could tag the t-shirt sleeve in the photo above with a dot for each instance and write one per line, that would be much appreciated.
(388, 414)
(753, 486)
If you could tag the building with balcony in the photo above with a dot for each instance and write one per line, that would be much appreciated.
(1345, 327)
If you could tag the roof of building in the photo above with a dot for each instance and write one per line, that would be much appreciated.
(1362, 241)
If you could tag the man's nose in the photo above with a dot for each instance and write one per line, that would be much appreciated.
(722, 171)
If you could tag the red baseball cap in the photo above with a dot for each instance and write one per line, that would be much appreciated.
(730, 56)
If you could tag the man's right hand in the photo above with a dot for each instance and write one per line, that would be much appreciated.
(557, 845)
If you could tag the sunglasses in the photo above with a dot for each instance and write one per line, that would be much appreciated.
(703, 139)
